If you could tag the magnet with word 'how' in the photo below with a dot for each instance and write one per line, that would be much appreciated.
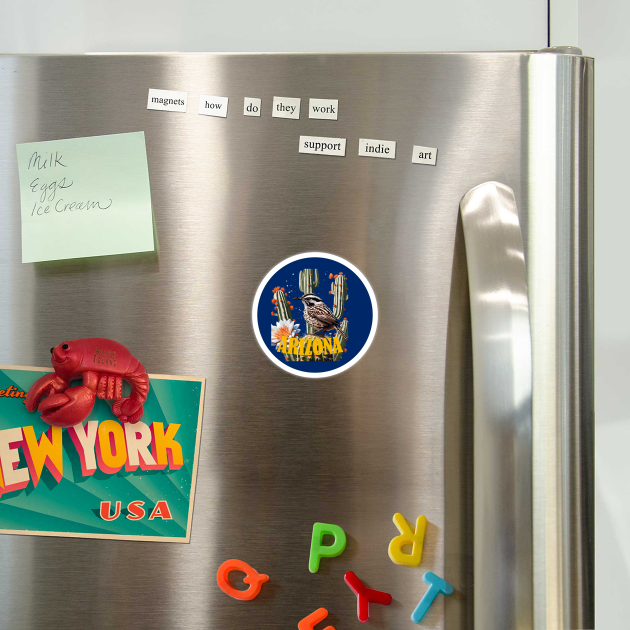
(407, 537)
(252, 577)
(319, 550)
(309, 623)
(436, 586)
(365, 595)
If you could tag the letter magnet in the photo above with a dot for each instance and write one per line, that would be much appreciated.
(252, 577)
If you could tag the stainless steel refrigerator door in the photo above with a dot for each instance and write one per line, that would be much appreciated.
(232, 197)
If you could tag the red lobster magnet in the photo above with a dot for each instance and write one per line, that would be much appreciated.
(102, 364)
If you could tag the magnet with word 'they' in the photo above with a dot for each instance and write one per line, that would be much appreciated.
(252, 577)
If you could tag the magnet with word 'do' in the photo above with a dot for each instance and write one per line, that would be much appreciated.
(252, 577)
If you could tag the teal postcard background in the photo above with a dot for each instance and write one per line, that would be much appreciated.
(72, 505)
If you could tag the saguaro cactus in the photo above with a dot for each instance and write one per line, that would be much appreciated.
(309, 281)
(284, 312)
(344, 326)
(339, 289)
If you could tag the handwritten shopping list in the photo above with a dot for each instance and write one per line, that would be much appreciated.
(85, 197)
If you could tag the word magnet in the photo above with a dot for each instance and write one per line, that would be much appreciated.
(213, 106)
(424, 155)
(252, 577)
(407, 537)
(251, 106)
(285, 107)
(377, 148)
(319, 550)
(167, 100)
(322, 146)
(323, 108)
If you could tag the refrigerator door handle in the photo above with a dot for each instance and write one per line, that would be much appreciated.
(502, 374)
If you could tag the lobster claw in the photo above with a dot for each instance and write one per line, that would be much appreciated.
(68, 408)
(128, 410)
(43, 386)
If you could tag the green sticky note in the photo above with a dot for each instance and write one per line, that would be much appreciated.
(85, 197)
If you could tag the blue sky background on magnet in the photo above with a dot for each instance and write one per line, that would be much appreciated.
(358, 308)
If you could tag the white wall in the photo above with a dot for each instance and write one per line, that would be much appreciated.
(604, 28)
(258, 25)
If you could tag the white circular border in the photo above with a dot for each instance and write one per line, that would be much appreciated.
(285, 366)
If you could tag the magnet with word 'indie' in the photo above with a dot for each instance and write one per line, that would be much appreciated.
(309, 623)
(252, 577)
(436, 586)
(319, 550)
(102, 364)
(407, 537)
(365, 595)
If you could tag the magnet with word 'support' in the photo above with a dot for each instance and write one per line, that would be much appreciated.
(252, 577)
(407, 537)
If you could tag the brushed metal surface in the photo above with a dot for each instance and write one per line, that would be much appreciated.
(232, 197)
(560, 276)
(502, 368)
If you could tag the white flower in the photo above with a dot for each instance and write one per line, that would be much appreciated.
(284, 328)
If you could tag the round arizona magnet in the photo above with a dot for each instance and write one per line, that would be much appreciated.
(315, 314)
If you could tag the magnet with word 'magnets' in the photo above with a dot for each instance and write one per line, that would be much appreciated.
(407, 537)
(319, 551)
(309, 623)
(252, 577)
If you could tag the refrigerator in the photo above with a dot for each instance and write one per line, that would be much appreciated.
(453, 193)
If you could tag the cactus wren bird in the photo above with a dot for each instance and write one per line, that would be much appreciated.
(318, 315)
